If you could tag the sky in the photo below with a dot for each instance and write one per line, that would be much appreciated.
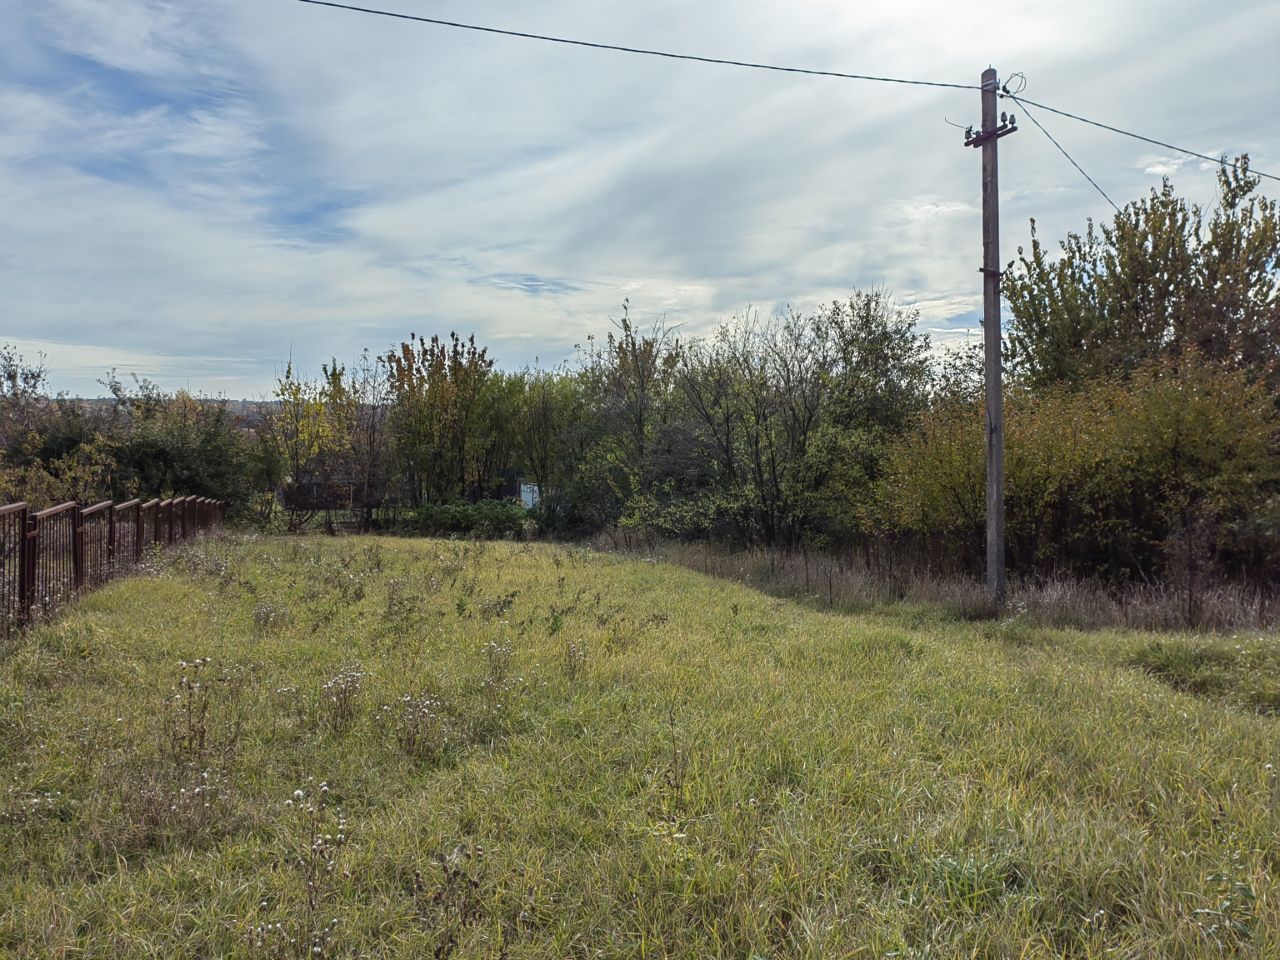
(197, 192)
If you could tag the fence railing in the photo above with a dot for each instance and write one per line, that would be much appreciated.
(47, 557)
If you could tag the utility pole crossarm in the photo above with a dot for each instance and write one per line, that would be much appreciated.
(977, 138)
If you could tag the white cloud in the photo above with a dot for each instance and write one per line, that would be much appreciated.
(160, 39)
(244, 180)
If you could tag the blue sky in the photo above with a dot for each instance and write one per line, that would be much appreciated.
(197, 191)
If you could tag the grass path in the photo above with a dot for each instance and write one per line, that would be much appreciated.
(425, 748)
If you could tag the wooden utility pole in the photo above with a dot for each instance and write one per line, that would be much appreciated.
(987, 138)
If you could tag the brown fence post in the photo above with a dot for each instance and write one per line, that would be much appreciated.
(137, 532)
(32, 541)
(111, 538)
(26, 569)
(77, 548)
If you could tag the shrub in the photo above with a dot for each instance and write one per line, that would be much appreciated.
(1169, 475)
(487, 519)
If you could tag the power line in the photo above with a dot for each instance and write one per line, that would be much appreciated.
(639, 50)
(1137, 136)
(668, 55)
(1063, 151)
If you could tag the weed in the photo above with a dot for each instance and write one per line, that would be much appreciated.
(186, 714)
(269, 616)
(1273, 789)
(185, 794)
(496, 607)
(401, 604)
(17, 809)
(1230, 920)
(341, 698)
(497, 656)
(574, 659)
(422, 726)
(289, 701)
(490, 717)
(1014, 628)
(675, 776)
(319, 839)
(351, 587)
(453, 902)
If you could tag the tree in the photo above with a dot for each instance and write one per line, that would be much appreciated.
(368, 386)
(629, 382)
(1153, 283)
(871, 390)
(307, 427)
(436, 394)
(23, 398)
(553, 429)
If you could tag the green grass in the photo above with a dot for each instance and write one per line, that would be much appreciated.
(603, 757)
(1245, 672)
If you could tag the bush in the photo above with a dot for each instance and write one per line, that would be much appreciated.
(1169, 476)
(487, 519)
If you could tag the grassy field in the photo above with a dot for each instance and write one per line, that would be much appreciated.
(390, 748)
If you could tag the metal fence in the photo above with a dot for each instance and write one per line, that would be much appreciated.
(48, 557)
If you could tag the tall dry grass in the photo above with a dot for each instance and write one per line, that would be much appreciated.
(845, 583)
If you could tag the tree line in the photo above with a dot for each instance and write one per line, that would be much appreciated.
(1142, 439)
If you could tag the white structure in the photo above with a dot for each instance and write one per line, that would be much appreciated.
(529, 494)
